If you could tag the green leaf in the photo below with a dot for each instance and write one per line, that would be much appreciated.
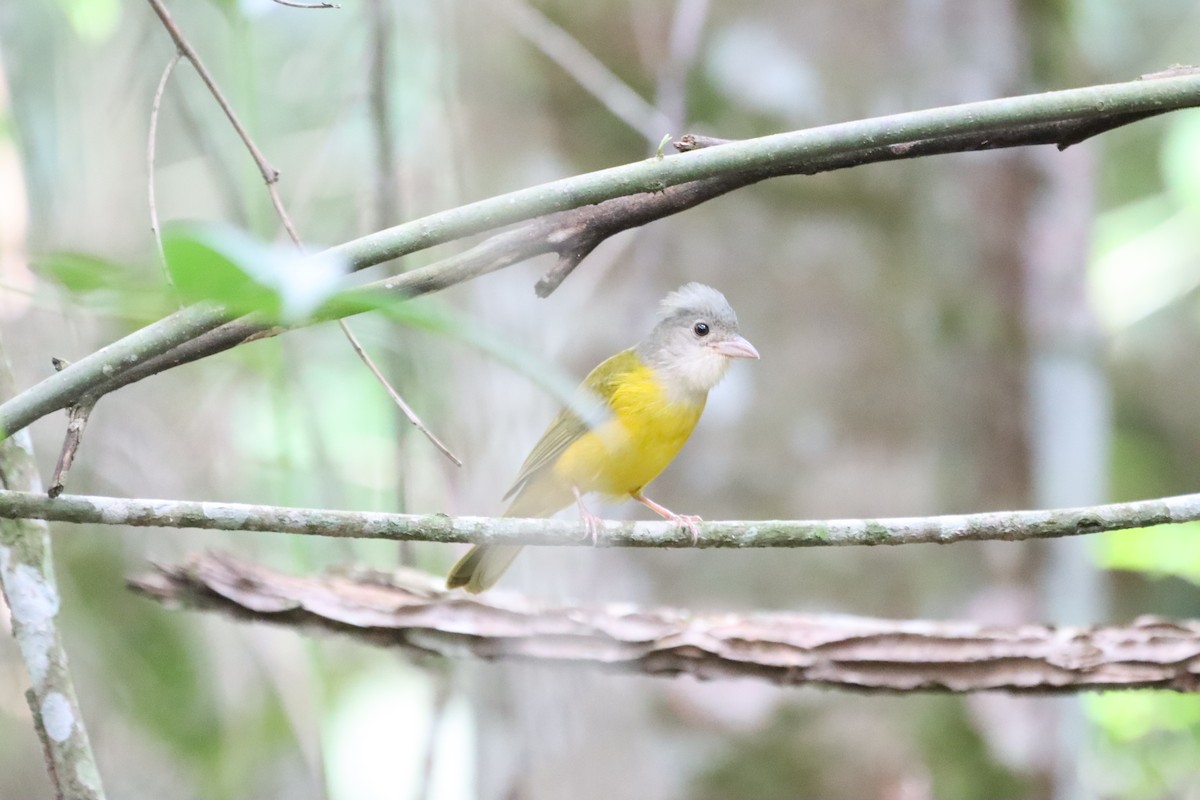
(80, 272)
(213, 265)
(223, 265)
(107, 287)
(1127, 716)
(1162, 550)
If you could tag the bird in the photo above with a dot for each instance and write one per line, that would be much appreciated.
(627, 421)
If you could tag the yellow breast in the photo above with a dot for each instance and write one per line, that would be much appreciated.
(646, 432)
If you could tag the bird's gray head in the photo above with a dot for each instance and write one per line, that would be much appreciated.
(694, 339)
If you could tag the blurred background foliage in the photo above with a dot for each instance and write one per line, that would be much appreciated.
(973, 332)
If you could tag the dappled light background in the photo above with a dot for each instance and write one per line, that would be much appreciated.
(965, 333)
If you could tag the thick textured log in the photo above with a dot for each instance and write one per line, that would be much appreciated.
(410, 610)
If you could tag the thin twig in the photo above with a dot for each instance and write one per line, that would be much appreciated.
(410, 611)
(77, 419)
(399, 401)
(1008, 526)
(271, 177)
(151, 152)
(294, 4)
(269, 174)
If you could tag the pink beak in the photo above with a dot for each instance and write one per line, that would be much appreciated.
(737, 347)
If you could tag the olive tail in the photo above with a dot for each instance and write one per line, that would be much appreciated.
(481, 567)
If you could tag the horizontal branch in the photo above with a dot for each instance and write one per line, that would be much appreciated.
(406, 609)
(999, 525)
(1059, 118)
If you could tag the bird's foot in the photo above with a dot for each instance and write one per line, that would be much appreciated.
(689, 521)
(591, 523)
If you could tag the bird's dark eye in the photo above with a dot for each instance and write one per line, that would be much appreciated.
(701, 328)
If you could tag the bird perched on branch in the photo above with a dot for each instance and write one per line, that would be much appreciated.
(630, 417)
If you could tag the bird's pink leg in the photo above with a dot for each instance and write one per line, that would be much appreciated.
(688, 521)
(591, 523)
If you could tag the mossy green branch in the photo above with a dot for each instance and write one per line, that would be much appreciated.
(999, 525)
(1061, 118)
(781, 154)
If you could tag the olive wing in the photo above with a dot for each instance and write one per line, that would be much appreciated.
(569, 426)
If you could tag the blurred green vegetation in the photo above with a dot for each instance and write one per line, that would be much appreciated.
(1145, 283)
(887, 303)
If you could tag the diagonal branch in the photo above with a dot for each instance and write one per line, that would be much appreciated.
(406, 610)
(1060, 118)
(571, 234)
(1009, 526)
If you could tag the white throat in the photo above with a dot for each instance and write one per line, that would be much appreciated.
(688, 376)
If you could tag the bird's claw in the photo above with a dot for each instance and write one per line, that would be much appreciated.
(591, 523)
(689, 521)
(591, 526)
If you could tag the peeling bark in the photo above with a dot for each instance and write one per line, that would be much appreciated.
(408, 610)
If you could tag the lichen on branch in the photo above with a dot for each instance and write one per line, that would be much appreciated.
(987, 526)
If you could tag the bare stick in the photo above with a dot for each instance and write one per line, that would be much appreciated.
(399, 401)
(294, 4)
(410, 611)
(151, 151)
(270, 175)
(77, 419)
(1008, 526)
